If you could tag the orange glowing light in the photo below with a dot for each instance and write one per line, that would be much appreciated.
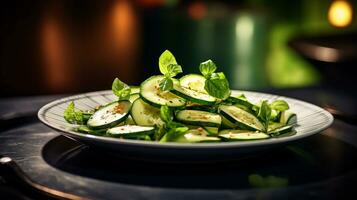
(340, 13)
(197, 10)
(57, 72)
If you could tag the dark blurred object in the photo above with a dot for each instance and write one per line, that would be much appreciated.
(334, 56)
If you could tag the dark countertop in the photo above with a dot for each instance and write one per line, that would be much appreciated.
(319, 167)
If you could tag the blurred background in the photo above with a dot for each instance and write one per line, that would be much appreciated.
(72, 46)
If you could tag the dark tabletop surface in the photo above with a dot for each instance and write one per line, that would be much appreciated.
(319, 167)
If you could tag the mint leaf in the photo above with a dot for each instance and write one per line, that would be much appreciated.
(173, 70)
(279, 105)
(166, 84)
(207, 68)
(265, 113)
(217, 85)
(120, 89)
(169, 68)
(166, 59)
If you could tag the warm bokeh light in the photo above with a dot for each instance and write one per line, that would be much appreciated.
(340, 13)
(57, 72)
(197, 10)
(124, 37)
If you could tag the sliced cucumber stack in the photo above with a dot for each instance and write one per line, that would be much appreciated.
(194, 108)
(151, 93)
(242, 135)
(130, 131)
(194, 82)
(109, 115)
(241, 118)
(199, 118)
(193, 96)
(144, 114)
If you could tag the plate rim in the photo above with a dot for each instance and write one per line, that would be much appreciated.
(176, 145)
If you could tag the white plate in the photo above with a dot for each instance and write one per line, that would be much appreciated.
(311, 119)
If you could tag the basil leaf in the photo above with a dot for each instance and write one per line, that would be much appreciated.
(207, 68)
(166, 59)
(264, 113)
(166, 84)
(166, 114)
(279, 105)
(217, 85)
(120, 89)
(173, 70)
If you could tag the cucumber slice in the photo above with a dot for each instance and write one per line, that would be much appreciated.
(130, 131)
(241, 118)
(144, 114)
(199, 118)
(133, 97)
(195, 136)
(109, 115)
(240, 101)
(151, 93)
(86, 129)
(242, 135)
(288, 118)
(194, 82)
(193, 96)
(281, 131)
(211, 130)
(274, 125)
(227, 124)
(129, 121)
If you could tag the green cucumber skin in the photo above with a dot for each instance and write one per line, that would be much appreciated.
(241, 102)
(230, 112)
(212, 131)
(192, 99)
(226, 124)
(241, 139)
(197, 123)
(86, 129)
(281, 131)
(131, 135)
(114, 123)
(236, 123)
(241, 135)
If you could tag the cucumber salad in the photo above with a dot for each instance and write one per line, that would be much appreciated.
(190, 109)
